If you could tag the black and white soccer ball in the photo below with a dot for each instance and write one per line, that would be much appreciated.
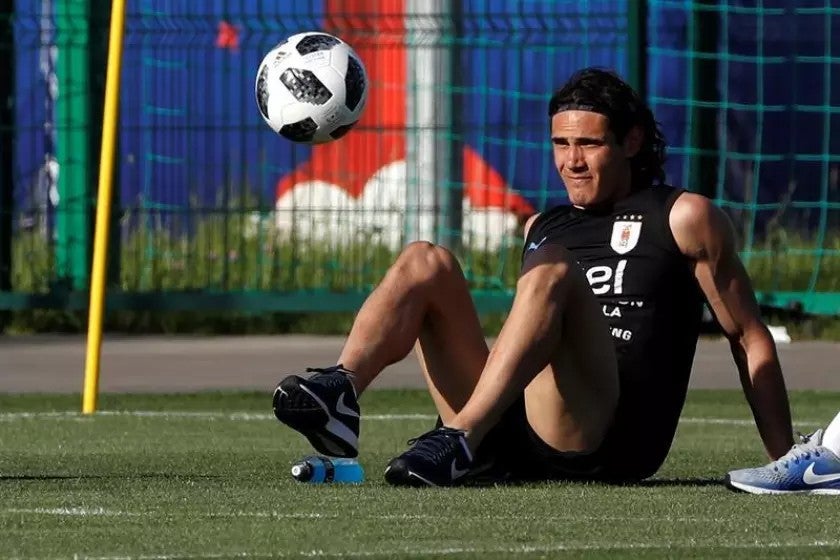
(311, 88)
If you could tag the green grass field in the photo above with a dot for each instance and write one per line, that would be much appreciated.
(207, 476)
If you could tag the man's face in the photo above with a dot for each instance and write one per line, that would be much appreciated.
(593, 166)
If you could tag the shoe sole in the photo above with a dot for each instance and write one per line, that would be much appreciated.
(300, 409)
(741, 487)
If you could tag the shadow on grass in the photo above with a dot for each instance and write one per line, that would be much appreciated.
(679, 482)
(484, 482)
(653, 483)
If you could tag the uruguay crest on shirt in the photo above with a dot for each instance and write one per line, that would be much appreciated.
(625, 233)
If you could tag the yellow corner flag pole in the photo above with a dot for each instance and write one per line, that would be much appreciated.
(103, 207)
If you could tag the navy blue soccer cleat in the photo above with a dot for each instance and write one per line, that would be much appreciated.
(323, 408)
(808, 468)
(439, 457)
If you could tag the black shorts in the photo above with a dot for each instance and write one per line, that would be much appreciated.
(512, 451)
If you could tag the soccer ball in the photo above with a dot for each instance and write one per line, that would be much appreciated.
(311, 88)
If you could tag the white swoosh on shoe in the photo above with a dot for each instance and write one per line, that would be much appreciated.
(334, 425)
(812, 478)
(343, 408)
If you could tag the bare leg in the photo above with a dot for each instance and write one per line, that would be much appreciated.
(423, 296)
(555, 345)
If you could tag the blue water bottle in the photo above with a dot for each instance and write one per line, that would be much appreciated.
(317, 469)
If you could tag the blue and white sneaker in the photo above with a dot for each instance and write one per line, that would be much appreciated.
(808, 468)
(439, 457)
(323, 408)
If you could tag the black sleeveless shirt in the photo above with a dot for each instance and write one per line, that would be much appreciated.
(651, 300)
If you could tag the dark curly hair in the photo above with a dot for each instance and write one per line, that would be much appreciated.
(604, 92)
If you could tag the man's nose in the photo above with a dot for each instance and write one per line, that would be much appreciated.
(574, 157)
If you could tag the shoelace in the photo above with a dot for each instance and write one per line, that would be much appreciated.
(332, 369)
(429, 446)
(332, 381)
(806, 447)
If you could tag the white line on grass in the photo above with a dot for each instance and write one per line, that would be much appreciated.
(178, 414)
(102, 512)
(74, 511)
(256, 416)
(451, 551)
(693, 544)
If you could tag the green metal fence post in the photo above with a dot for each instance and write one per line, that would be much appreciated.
(82, 44)
(73, 124)
(637, 43)
(703, 158)
(98, 56)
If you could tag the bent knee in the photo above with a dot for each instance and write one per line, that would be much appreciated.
(425, 262)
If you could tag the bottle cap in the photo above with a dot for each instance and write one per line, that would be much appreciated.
(302, 471)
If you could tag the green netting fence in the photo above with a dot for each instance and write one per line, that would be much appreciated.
(215, 212)
(759, 101)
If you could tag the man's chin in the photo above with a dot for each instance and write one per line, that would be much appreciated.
(581, 199)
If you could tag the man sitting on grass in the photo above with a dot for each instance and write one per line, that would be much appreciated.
(588, 376)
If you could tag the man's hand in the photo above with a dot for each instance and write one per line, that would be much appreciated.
(705, 235)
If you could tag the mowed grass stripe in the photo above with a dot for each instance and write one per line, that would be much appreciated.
(689, 544)
(102, 512)
(250, 416)
(697, 546)
(184, 414)
(163, 487)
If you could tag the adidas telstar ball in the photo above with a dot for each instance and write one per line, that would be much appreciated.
(311, 88)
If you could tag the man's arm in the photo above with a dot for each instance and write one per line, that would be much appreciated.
(528, 225)
(705, 234)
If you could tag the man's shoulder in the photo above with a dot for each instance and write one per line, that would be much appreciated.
(552, 212)
(695, 219)
(662, 193)
(557, 210)
(535, 222)
(662, 200)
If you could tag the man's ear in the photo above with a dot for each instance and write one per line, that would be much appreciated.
(633, 141)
